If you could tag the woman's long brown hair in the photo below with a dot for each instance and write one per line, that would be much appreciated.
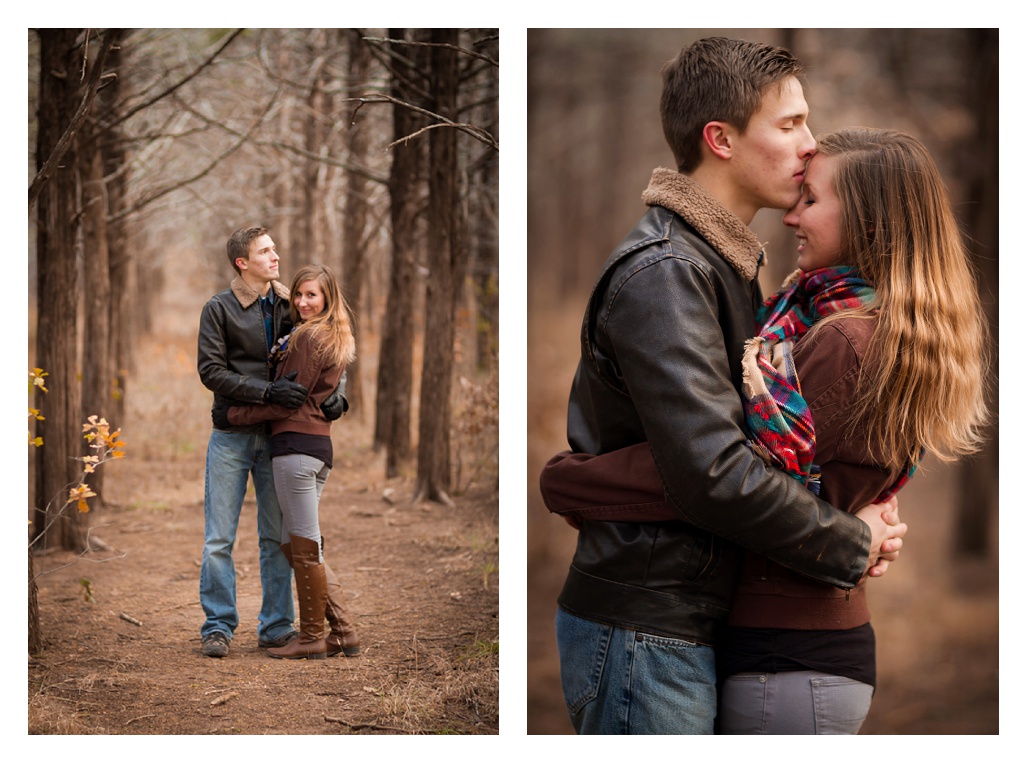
(333, 325)
(924, 388)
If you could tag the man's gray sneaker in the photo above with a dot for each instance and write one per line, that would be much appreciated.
(280, 641)
(215, 644)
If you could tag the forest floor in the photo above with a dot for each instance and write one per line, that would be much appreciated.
(121, 623)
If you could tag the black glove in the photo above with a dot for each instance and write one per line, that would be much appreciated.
(286, 392)
(219, 415)
(336, 403)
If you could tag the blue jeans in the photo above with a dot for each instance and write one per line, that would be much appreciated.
(619, 681)
(231, 458)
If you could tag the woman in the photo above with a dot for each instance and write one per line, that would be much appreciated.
(315, 354)
(883, 326)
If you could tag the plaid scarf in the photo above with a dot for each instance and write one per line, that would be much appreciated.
(778, 418)
(277, 353)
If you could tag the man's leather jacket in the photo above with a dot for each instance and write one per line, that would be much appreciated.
(661, 349)
(232, 355)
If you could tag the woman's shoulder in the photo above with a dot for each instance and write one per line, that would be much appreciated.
(314, 346)
(857, 329)
(828, 360)
(307, 336)
(848, 335)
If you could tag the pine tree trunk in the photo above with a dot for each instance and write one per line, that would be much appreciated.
(978, 503)
(395, 363)
(281, 179)
(433, 447)
(57, 295)
(486, 222)
(122, 282)
(35, 630)
(96, 382)
(355, 215)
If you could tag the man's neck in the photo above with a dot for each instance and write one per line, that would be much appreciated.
(721, 187)
(259, 286)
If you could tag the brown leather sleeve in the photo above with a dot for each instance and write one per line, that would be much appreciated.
(620, 486)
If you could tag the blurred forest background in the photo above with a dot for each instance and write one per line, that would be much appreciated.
(594, 137)
(374, 151)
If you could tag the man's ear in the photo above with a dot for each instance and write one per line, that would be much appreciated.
(718, 138)
(242, 263)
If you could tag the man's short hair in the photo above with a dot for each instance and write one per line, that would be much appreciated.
(716, 79)
(239, 244)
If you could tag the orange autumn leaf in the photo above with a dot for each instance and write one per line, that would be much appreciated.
(79, 495)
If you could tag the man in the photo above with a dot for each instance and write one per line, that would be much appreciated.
(661, 350)
(237, 329)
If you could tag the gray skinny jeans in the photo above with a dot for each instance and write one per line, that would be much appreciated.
(801, 702)
(299, 480)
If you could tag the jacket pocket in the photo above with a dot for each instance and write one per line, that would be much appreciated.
(683, 553)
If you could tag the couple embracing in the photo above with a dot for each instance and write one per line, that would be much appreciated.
(734, 461)
(275, 359)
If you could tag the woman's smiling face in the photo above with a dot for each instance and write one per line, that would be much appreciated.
(817, 217)
(309, 300)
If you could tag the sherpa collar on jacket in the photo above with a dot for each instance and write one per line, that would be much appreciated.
(722, 230)
(248, 296)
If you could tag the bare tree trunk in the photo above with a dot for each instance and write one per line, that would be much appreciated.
(97, 380)
(57, 294)
(445, 271)
(321, 109)
(486, 223)
(311, 244)
(96, 383)
(35, 631)
(122, 286)
(355, 215)
(395, 362)
(978, 492)
(282, 182)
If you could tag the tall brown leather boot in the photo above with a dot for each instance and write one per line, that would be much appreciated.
(312, 598)
(343, 637)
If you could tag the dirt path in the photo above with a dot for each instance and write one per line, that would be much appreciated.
(123, 650)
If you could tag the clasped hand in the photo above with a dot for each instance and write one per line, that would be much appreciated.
(886, 533)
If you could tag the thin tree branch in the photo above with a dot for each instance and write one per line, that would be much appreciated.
(176, 86)
(202, 173)
(469, 129)
(400, 68)
(435, 45)
(362, 171)
(305, 87)
(54, 160)
(475, 132)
